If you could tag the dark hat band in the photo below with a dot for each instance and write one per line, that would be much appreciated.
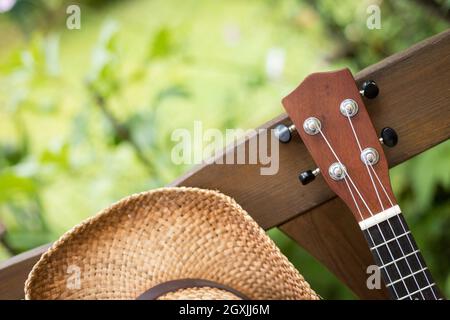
(175, 285)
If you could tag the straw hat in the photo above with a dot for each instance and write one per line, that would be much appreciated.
(169, 243)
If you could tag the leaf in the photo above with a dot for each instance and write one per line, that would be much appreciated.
(12, 153)
(57, 154)
(162, 44)
(12, 62)
(12, 184)
(104, 76)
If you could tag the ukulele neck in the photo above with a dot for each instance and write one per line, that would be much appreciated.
(395, 251)
(330, 116)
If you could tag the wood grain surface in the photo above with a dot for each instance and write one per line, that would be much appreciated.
(319, 96)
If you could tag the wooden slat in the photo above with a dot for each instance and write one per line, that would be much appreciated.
(413, 100)
(330, 233)
(14, 272)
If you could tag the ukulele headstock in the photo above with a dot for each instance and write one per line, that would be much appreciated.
(331, 118)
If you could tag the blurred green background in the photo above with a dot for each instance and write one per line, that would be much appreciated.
(86, 115)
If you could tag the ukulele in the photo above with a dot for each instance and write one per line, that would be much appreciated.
(328, 112)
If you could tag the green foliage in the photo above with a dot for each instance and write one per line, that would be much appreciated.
(422, 186)
(105, 68)
(87, 115)
(431, 175)
(161, 46)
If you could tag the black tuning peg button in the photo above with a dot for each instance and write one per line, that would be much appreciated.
(389, 137)
(307, 176)
(369, 89)
(284, 133)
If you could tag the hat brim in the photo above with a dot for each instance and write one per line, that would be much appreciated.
(163, 235)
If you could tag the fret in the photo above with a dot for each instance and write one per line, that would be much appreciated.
(395, 248)
(386, 230)
(406, 277)
(414, 294)
(404, 267)
(390, 240)
(399, 284)
(396, 260)
(415, 282)
(395, 251)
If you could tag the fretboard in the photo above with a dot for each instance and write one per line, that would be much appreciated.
(395, 251)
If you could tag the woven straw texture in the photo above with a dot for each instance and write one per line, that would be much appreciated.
(162, 235)
(200, 294)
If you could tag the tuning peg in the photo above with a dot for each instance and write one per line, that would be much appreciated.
(389, 137)
(369, 89)
(307, 176)
(284, 133)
